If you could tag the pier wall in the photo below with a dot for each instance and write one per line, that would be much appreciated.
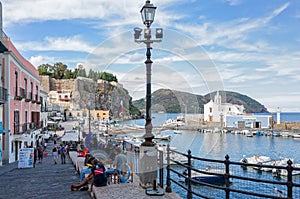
(287, 126)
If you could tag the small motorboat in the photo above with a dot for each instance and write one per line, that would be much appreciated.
(296, 135)
(177, 132)
(216, 176)
(173, 156)
(256, 159)
(160, 136)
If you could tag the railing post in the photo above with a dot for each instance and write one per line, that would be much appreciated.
(161, 169)
(189, 194)
(227, 173)
(289, 169)
(168, 188)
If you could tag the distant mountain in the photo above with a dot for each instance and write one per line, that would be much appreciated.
(171, 101)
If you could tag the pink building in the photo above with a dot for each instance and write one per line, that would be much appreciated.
(20, 101)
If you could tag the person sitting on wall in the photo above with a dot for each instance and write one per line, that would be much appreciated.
(119, 162)
(87, 162)
(97, 177)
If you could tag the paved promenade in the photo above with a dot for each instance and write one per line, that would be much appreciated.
(47, 180)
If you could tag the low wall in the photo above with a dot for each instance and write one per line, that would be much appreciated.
(287, 126)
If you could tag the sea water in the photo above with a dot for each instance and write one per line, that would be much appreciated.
(217, 146)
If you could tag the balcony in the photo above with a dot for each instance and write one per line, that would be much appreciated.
(36, 125)
(40, 101)
(21, 94)
(25, 127)
(3, 95)
(16, 128)
(28, 97)
(35, 98)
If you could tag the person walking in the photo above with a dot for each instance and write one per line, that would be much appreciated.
(40, 154)
(55, 154)
(35, 156)
(63, 154)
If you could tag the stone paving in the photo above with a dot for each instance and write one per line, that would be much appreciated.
(47, 180)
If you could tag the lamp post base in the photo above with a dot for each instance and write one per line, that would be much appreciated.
(148, 166)
(155, 192)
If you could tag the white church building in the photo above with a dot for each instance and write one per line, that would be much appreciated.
(216, 111)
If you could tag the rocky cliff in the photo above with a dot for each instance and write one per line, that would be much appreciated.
(86, 93)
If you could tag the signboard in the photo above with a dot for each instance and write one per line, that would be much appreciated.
(26, 158)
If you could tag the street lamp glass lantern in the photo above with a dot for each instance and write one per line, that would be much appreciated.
(148, 13)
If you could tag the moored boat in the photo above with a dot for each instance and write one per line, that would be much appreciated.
(296, 135)
(209, 175)
(256, 159)
(173, 156)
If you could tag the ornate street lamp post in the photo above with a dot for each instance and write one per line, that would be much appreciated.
(148, 151)
(148, 13)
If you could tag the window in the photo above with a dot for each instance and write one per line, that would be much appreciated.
(16, 83)
(16, 122)
(37, 93)
(12, 146)
(26, 117)
(210, 109)
(229, 109)
(25, 86)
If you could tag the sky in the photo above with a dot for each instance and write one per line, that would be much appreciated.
(246, 46)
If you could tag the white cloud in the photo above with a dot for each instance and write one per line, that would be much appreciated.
(38, 60)
(74, 43)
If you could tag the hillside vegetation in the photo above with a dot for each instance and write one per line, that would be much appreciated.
(171, 101)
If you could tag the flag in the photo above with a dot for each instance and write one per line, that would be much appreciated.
(121, 109)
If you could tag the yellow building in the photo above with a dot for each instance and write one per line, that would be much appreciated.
(95, 114)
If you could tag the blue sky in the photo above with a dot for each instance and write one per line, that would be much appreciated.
(247, 46)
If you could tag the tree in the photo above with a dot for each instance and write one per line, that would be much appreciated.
(59, 70)
(44, 69)
(81, 73)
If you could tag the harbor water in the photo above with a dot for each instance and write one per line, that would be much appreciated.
(217, 146)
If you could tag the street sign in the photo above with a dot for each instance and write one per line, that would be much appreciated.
(1, 129)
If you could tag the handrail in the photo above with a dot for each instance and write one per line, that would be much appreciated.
(290, 185)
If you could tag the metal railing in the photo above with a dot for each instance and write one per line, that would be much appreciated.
(26, 127)
(233, 172)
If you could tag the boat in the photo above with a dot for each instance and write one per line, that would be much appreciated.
(177, 132)
(280, 162)
(275, 133)
(209, 175)
(283, 172)
(160, 136)
(247, 133)
(296, 135)
(173, 156)
(179, 121)
(256, 159)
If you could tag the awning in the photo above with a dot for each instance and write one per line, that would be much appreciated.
(70, 137)
(20, 138)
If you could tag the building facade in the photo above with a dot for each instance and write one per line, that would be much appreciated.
(20, 114)
(215, 110)
(249, 121)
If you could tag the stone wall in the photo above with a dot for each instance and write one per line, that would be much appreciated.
(287, 126)
(51, 84)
